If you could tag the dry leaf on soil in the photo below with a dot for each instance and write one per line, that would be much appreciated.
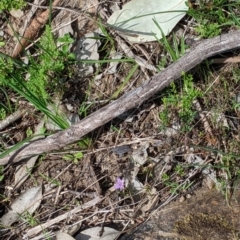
(63, 236)
(28, 201)
(136, 18)
(94, 234)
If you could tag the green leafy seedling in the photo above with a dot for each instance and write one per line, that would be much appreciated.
(66, 40)
(11, 4)
(183, 102)
(85, 143)
(2, 113)
(29, 219)
(179, 169)
(73, 157)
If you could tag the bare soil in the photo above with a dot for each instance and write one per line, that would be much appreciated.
(206, 215)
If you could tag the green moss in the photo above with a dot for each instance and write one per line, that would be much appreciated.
(11, 4)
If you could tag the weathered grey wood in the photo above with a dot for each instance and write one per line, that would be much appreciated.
(202, 51)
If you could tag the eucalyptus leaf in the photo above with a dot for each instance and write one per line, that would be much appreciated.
(135, 20)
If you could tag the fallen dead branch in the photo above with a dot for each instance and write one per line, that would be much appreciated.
(132, 99)
(12, 118)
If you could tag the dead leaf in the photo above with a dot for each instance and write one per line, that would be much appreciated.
(63, 236)
(95, 233)
(28, 201)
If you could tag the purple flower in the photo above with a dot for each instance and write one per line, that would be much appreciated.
(119, 184)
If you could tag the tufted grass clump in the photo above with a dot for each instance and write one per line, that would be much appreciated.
(39, 79)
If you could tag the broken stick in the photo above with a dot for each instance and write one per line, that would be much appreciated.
(132, 99)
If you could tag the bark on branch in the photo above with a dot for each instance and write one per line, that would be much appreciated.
(202, 51)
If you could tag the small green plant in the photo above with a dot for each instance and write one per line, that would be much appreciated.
(29, 132)
(174, 50)
(82, 111)
(214, 16)
(179, 170)
(5, 105)
(115, 129)
(52, 62)
(4, 198)
(85, 143)
(108, 38)
(43, 73)
(180, 103)
(231, 174)
(73, 157)
(169, 183)
(174, 186)
(29, 219)
(2, 113)
(208, 30)
(126, 80)
(11, 4)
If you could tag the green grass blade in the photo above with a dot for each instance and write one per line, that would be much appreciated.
(131, 72)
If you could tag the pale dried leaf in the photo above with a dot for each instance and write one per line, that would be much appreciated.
(66, 29)
(63, 236)
(219, 119)
(140, 155)
(136, 17)
(94, 234)
(28, 201)
(136, 185)
(17, 13)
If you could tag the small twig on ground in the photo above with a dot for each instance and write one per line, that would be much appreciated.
(64, 216)
(12, 118)
(205, 49)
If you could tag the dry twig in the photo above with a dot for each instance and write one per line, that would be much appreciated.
(78, 209)
(132, 99)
